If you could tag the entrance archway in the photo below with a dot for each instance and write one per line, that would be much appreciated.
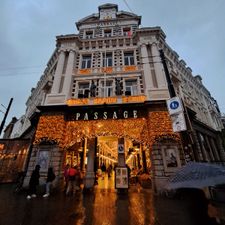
(107, 134)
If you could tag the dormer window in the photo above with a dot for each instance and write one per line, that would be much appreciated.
(108, 33)
(127, 31)
(89, 34)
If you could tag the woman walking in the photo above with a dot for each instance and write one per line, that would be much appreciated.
(34, 181)
(50, 178)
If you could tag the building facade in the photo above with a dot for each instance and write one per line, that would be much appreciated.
(105, 88)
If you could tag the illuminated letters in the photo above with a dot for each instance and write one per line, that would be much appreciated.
(135, 114)
(105, 115)
(114, 115)
(125, 114)
(85, 116)
(95, 115)
(77, 116)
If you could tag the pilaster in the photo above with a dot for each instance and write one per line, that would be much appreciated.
(68, 75)
(146, 67)
(160, 76)
(58, 73)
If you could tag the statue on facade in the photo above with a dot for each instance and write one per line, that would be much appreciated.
(119, 87)
(93, 89)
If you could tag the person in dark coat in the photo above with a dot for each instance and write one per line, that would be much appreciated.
(34, 181)
(50, 178)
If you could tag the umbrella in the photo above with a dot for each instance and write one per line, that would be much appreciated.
(197, 175)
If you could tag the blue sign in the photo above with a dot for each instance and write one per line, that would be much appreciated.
(174, 104)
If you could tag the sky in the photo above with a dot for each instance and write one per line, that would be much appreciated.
(194, 29)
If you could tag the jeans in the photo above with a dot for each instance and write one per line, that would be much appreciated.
(48, 185)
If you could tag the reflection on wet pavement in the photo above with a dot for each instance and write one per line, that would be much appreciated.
(98, 207)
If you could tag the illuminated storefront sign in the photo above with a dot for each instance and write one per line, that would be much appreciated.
(103, 114)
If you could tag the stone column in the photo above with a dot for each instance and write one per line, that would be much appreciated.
(90, 173)
(58, 73)
(160, 75)
(68, 76)
(147, 69)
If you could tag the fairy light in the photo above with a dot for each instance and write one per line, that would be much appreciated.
(155, 127)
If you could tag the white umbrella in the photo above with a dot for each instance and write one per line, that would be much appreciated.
(197, 175)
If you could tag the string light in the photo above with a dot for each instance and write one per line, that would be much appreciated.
(53, 128)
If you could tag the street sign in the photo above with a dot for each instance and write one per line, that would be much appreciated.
(178, 122)
(174, 105)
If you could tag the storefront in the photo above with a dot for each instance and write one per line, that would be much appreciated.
(91, 136)
(13, 158)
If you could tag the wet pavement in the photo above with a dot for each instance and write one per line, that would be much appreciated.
(99, 207)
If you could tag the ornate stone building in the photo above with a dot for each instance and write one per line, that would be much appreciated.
(106, 87)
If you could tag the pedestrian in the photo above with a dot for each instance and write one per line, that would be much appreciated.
(72, 181)
(50, 179)
(34, 181)
(109, 170)
(197, 204)
(66, 176)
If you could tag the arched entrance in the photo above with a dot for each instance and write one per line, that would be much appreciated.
(94, 146)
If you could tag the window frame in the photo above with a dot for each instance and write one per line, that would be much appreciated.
(129, 58)
(86, 61)
(133, 87)
(107, 60)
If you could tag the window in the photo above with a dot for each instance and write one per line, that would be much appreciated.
(106, 89)
(131, 87)
(129, 58)
(83, 91)
(107, 59)
(127, 31)
(107, 33)
(86, 62)
(89, 34)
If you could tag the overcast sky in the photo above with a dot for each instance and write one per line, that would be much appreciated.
(195, 30)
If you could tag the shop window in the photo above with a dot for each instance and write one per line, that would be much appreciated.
(86, 62)
(129, 58)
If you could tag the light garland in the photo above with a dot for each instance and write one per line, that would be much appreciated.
(53, 128)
